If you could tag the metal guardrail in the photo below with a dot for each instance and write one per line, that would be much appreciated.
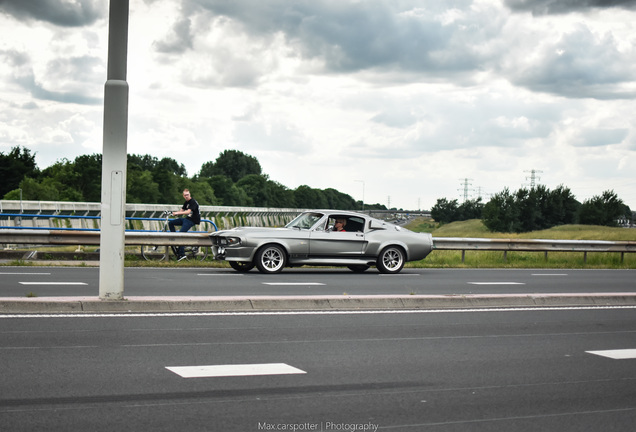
(533, 245)
(91, 237)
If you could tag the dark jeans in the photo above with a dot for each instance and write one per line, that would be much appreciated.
(186, 224)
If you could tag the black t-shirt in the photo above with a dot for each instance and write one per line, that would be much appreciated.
(194, 206)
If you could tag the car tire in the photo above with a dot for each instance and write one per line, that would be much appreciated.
(241, 267)
(391, 260)
(358, 268)
(271, 259)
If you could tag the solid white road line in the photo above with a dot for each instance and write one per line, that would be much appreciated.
(621, 354)
(53, 283)
(293, 283)
(496, 283)
(25, 273)
(234, 370)
(324, 312)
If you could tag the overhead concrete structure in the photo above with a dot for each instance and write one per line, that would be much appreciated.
(113, 205)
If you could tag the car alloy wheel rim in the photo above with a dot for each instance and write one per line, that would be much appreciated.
(392, 259)
(272, 259)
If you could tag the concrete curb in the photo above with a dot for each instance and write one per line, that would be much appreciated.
(84, 305)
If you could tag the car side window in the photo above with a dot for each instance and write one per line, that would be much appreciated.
(355, 224)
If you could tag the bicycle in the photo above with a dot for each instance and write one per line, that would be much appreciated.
(159, 253)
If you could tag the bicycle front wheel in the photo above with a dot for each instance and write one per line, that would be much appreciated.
(154, 253)
(197, 253)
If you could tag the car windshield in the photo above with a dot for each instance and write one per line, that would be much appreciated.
(305, 221)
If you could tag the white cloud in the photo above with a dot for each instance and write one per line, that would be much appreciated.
(410, 98)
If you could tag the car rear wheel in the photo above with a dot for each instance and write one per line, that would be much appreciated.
(241, 267)
(271, 259)
(391, 260)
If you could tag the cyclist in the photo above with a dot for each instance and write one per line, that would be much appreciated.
(192, 217)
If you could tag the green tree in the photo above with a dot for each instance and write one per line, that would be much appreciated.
(605, 209)
(170, 165)
(279, 195)
(34, 190)
(255, 186)
(89, 177)
(166, 173)
(527, 203)
(470, 209)
(560, 208)
(14, 167)
(233, 164)
(63, 177)
(502, 213)
(140, 188)
(338, 200)
(445, 211)
(308, 198)
(227, 193)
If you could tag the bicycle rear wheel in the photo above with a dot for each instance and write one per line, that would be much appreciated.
(154, 253)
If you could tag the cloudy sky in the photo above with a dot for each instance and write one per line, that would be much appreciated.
(404, 100)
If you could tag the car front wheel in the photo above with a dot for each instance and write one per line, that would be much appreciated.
(391, 260)
(271, 259)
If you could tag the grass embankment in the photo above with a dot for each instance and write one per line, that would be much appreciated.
(484, 259)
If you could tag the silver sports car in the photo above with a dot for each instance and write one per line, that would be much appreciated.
(322, 237)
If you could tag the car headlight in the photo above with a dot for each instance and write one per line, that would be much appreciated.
(229, 241)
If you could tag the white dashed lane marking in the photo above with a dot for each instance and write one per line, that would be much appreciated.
(234, 370)
(620, 354)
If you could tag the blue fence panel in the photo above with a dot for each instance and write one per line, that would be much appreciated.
(50, 216)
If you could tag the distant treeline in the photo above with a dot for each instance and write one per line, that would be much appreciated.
(534, 209)
(233, 179)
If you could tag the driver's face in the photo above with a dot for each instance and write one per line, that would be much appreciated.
(186, 195)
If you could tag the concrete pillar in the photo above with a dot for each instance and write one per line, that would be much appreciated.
(113, 205)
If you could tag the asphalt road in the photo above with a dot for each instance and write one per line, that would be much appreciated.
(65, 281)
(416, 371)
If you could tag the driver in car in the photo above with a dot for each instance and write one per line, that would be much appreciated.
(339, 225)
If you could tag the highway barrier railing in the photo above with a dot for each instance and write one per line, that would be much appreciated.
(91, 237)
(533, 245)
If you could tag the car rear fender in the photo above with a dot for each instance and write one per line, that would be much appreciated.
(388, 243)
